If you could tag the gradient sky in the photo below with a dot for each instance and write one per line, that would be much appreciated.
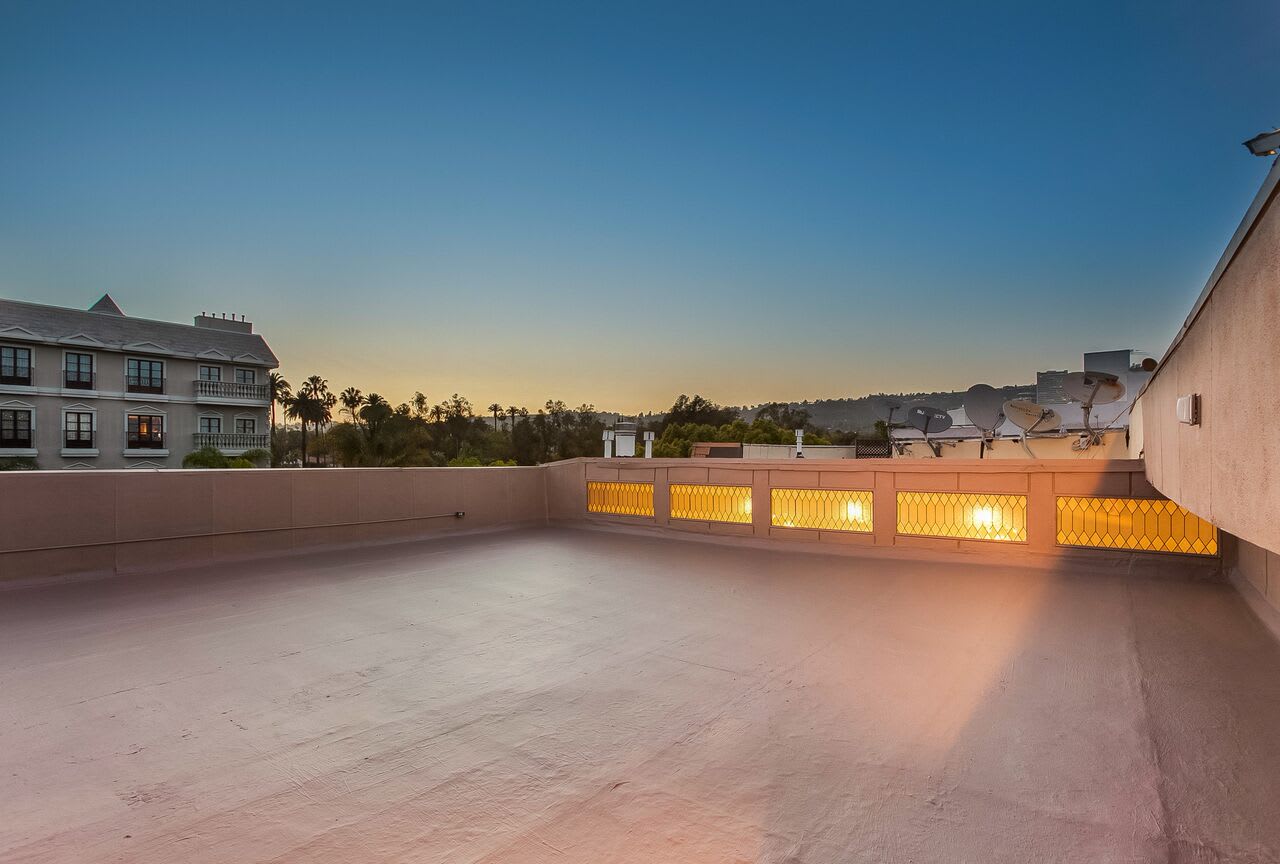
(617, 203)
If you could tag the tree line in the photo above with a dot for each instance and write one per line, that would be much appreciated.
(352, 428)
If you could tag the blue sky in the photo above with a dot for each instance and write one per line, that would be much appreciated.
(619, 203)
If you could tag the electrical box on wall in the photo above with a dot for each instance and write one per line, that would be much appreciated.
(1189, 409)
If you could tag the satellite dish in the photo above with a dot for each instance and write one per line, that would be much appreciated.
(1030, 417)
(928, 420)
(985, 407)
(1092, 388)
(886, 408)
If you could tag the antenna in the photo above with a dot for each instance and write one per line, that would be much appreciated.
(984, 406)
(1030, 417)
(928, 420)
(886, 408)
(1092, 388)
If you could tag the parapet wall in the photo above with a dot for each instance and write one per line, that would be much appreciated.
(1100, 511)
(69, 522)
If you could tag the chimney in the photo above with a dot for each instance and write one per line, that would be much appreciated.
(232, 323)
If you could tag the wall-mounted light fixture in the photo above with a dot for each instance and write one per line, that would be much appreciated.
(1189, 409)
(1265, 143)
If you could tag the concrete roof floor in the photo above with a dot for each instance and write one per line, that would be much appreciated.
(578, 696)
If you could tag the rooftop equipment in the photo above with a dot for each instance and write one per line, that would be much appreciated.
(1030, 417)
(1092, 388)
(984, 407)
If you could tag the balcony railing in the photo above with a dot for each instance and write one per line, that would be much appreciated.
(145, 442)
(16, 377)
(143, 384)
(75, 380)
(78, 441)
(232, 440)
(232, 390)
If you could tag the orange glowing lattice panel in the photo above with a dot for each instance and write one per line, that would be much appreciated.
(711, 503)
(967, 515)
(621, 499)
(1144, 524)
(825, 509)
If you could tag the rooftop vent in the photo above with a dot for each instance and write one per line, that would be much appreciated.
(223, 321)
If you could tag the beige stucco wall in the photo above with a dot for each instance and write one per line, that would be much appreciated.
(111, 404)
(1040, 480)
(1227, 469)
(67, 522)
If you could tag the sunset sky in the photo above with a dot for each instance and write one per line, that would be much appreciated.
(617, 203)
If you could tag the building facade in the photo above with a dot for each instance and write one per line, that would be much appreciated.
(96, 388)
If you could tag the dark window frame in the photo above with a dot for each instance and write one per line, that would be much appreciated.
(78, 378)
(10, 428)
(144, 431)
(9, 365)
(252, 373)
(205, 419)
(79, 434)
(251, 421)
(136, 381)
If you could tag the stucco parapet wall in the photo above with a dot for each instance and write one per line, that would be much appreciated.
(1040, 482)
(59, 523)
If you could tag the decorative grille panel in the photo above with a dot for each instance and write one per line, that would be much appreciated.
(711, 503)
(828, 509)
(968, 515)
(1148, 524)
(624, 499)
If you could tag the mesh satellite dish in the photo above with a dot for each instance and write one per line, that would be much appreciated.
(1030, 417)
(928, 420)
(1092, 388)
(886, 409)
(985, 408)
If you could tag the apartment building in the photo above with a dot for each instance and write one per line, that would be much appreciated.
(96, 388)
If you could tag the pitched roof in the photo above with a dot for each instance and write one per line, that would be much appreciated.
(114, 331)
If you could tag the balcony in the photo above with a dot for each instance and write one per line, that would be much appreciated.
(143, 384)
(232, 442)
(214, 391)
(641, 660)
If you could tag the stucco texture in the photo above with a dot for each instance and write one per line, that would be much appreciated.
(562, 695)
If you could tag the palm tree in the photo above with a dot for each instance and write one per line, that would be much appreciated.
(298, 407)
(352, 399)
(496, 409)
(513, 411)
(419, 403)
(281, 392)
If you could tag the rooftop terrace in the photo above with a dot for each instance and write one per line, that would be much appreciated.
(559, 694)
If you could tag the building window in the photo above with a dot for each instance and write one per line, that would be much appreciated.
(246, 376)
(144, 376)
(78, 374)
(78, 429)
(15, 427)
(210, 425)
(145, 432)
(15, 365)
(210, 373)
(246, 426)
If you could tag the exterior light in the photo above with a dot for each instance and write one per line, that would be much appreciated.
(648, 445)
(799, 443)
(854, 511)
(1265, 143)
(986, 517)
(607, 437)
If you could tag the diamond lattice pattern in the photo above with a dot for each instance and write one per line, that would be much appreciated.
(828, 509)
(1150, 524)
(972, 516)
(624, 499)
(711, 503)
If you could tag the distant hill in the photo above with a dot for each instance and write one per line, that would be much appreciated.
(861, 414)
